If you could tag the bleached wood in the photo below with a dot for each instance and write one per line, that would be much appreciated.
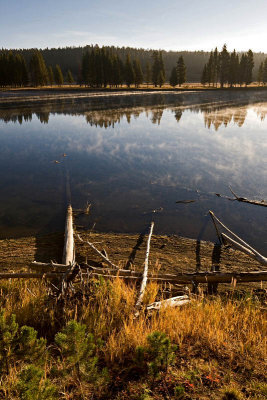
(177, 301)
(234, 234)
(98, 252)
(68, 252)
(262, 260)
(144, 280)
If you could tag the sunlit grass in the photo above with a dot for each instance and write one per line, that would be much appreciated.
(212, 334)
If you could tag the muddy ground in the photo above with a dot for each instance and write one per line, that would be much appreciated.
(168, 253)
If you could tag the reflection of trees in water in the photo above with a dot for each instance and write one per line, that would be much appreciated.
(224, 117)
(214, 115)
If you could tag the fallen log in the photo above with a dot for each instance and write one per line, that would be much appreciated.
(261, 203)
(262, 260)
(182, 278)
(48, 267)
(68, 252)
(243, 246)
(187, 278)
(144, 278)
(29, 275)
(177, 301)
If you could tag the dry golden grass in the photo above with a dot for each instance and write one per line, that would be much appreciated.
(213, 334)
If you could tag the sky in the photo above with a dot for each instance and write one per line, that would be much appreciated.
(157, 24)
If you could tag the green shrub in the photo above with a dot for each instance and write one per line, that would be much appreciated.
(18, 344)
(33, 386)
(157, 355)
(78, 351)
(179, 392)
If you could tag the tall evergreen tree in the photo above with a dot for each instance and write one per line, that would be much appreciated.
(129, 72)
(50, 75)
(264, 75)
(138, 73)
(173, 77)
(162, 67)
(38, 70)
(181, 71)
(148, 73)
(155, 68)
(250, 66)
(243, 69)
(224, 66)
(204, 76)
(58, 76)
(233, 69)
(69, 77)
(260, 73)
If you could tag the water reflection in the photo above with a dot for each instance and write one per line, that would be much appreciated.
(131, 155)
(214, 115)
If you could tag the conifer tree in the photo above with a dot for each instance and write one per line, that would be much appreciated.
(224, 65)
(129, 72)
(204, 76)
(162, 67)
(216, 61)
(264, 75)
(69, 77)
(58, 76)
(148, 73)
(260, 73)
(138, 73)
(50, 75)
(38, 70)
(233, 69)
(250, 65)
(173, 77)
(155, 68)
(243, 69)
(210, 70)
(181, 71)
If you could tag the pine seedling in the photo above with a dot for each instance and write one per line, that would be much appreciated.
(160, 351)
(18, 344)
(33, 386)
(78, 350)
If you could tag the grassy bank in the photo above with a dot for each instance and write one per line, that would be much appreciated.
(213, 348)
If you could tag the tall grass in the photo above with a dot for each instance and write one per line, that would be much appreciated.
(231, 332)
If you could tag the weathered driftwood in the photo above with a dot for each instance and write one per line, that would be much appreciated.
(183, 278)
(29, 275)
(262, 203)
(177, 301)
(243, 246)
(68, 252)
(144, 279)
(48, 267)
(262, 260)
(107, 260)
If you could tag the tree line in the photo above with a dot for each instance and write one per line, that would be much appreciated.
(14, 71)
(226, 68)
(100, 67)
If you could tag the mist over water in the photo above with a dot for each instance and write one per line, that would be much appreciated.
(131, 154)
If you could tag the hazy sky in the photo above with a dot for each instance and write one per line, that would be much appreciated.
(168, 24)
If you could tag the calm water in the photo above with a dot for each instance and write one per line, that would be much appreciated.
(131, 154)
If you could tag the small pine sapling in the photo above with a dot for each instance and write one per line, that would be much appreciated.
(18, 344)
(32, 385)
(78, 351)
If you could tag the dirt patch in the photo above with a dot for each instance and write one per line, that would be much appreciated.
(171, 253)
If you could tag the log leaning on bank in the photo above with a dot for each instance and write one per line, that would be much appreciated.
(181, 278)
(68, 252)
(144, 278)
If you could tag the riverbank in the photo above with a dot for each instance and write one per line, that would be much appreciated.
(171, 254)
